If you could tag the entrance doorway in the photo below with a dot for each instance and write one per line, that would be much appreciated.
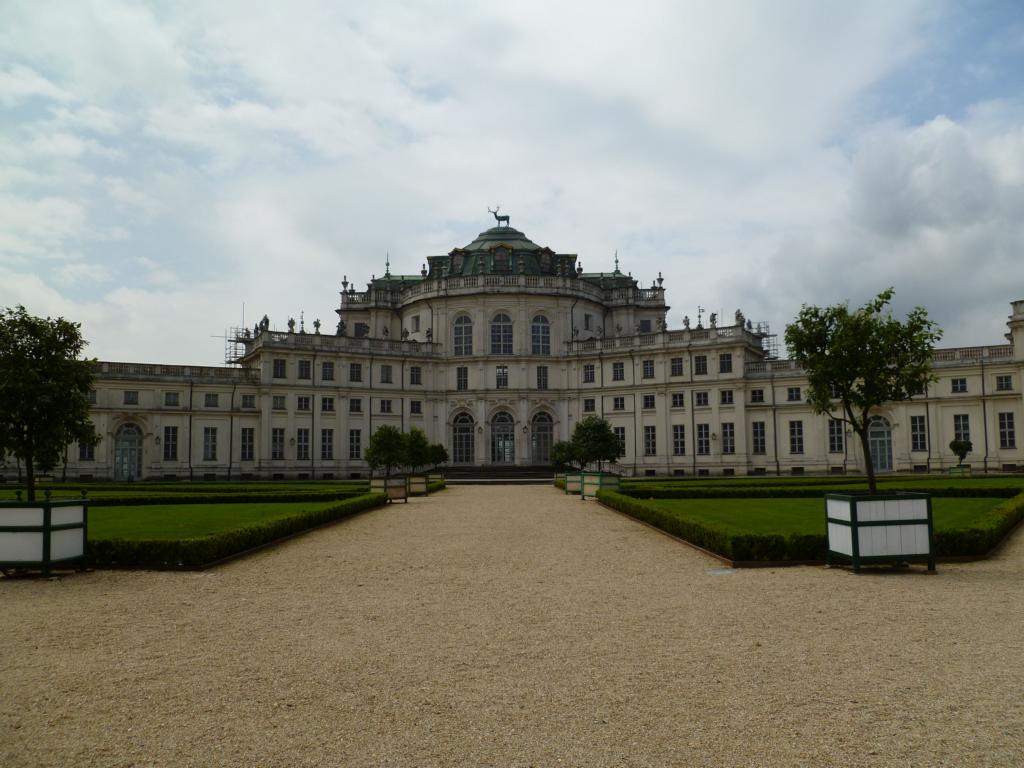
(462, 439)
(880, 442)
(128, 453)
(503, 439)
(540, 439)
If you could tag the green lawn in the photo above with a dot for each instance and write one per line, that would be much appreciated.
(179, 490)
(188, 521)
(807, 516)
(839, 484)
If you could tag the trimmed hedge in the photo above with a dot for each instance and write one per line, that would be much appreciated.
(434, 487)
(193, 553)
(965, 542)
(224, 498)
(768, 492)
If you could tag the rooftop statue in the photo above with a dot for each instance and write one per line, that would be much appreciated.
(500, 219)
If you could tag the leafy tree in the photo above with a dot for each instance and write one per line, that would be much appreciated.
(44, 390)
(563, 455)
(961, 448)
(594, 441)
(417, 449)
(386, 449)
(856, 361)
(438, 455)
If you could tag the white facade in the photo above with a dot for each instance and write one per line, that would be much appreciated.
(496, 351)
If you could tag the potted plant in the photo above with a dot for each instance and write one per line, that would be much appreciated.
(566, 462)
(438, 456)
(595, 443)
(386, 450)
(960, 449)
(417, 455)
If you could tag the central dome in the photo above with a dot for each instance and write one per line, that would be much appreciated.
(506, 236)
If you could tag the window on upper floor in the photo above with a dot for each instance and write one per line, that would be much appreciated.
(302, 403)
(540, 335)
(501, 335)
(725, 397)
(618, 403)
(305, 369)
(648, 402)
(700, 399)
(678, 399)
(249, 401)
(415, 376)
(757, 395)
(355, 405)
(131, 397)
(588, 373)
(172, 399)
(501, 377)
(280, 368)
(725, 362)
(648, 369)
(645, 325)
(793, 394)
(676, 366)
(385, 374)
(618, 371)
(700, 365)
(278, 402)
(462, 378)
(589, 405)
(211, 400)
(327, 372)
(462, 341)
(416, 407)
(542, 377)
(1004, 383)
(355, 372)
(327, 404)
(959, 385)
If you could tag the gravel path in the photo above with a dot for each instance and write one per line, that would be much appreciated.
(512, 626)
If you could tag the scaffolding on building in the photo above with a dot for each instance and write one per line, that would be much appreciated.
(235, 340)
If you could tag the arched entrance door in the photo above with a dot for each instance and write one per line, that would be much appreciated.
(880, 442)
(503, 439)
(462, 439)
(128, 453)
(540, 439)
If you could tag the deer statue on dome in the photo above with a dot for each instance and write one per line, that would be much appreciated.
(500, 219)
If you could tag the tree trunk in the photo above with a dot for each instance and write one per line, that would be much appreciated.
(869, 465)
(30, 477)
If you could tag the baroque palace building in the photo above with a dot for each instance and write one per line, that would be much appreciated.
(497, 350)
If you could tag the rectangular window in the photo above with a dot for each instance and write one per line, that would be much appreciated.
(703, 440)
(277, 443)
(355, 405)
(648, 366)
(355, 372)
(725, 362)
(588, 322)
(327, 404)
(725, 397)
(618, 372)
(650, 441)
(385, 374)
(302, 444)
(210, 400)
(305, 369)
(700, 398)
(131, 397)
(700, 365)
(327, 372)
(648, 402)
(355, 443)
(462, 336)
(249, 401)
(327, 445)
(757, 439)
(92, 397)
(793, 394)
(588, 373)
(415, 323)
(618, 403)
(757, 395)
(248, 444)
(415, 375)
(172, 399)
(278, 402)
(645, 326)
(385, 406)
(835, 436)
(918, 434)
(620, 435)
(678, 399)
(1004, 383)
(501, 377)
(796, 436)
(589, 405)
(678, 440)
(209, 443)
(462, 378)
(542, 377)
(728, 437)
(676, 366)
(170, 443)
(416, 407)
(302, 403)
(280, 368)
(86, 452)
(959, 385)
(961, 426)
(1007, 433)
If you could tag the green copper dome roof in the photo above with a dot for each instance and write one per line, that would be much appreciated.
(495, 236)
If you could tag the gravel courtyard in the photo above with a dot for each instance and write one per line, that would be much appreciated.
(512, 626)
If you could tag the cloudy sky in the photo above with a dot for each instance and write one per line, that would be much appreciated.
(162, 164)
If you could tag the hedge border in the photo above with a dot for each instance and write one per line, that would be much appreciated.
(759, 550)
(768, 492)
(208, 551)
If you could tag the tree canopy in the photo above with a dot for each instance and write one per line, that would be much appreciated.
(44, 390)
(856, 361)
(593, 441)
(417, 449)
(386, 449)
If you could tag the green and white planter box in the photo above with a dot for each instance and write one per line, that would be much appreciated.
(396, 487)
(880, 528)
(45, 534)
(573, 482)
(417, 485)
(592, 482)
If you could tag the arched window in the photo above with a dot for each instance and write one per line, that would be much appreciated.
(501, 335)
(462, 439)
(503, 438)
(128, 453)
(540, 439)
(540, 335)
(463, 341)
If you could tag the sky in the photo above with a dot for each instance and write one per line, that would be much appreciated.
(169, 170)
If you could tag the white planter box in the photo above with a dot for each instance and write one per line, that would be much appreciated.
(42, 534)
(592, 482)
(417, 485)
(879, 528)
(573, 482)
